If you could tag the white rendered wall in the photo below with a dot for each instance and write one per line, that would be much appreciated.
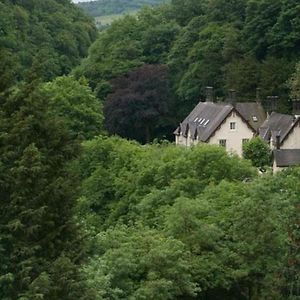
(293, 140)
(275, 168)
(181, 140)
(234, 138)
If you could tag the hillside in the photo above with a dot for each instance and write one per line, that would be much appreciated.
(39, 137)
(114, 7)
(41, 39)
(241, 45)
(86, 214)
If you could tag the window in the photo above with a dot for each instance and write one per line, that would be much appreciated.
(206, 123)
(255, 119)
(232, 126)
(244, 141)
(222, 143)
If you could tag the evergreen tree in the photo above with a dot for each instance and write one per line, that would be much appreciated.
(39, 245)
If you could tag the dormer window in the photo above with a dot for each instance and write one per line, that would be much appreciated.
(232, 125)
(206, 123)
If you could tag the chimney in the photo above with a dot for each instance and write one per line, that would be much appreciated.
(271, 103)
(275, 102)
(209, 91)
(296, 107)
(258, 99)
(278, 140)
(232, 97)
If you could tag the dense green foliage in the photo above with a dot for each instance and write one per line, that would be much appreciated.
(90, 217)
(41, 124)
(294, 83)
(38, 238)
(259, 152)
(117, 52)
(74, 101)
(240, 44)
(41, 39)
(109, 7)
(172, 223)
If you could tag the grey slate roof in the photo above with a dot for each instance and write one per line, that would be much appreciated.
(277, 124)
(287, 157)
(206, 118)
(253, 113)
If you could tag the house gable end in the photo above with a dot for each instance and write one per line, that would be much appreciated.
(290, 131)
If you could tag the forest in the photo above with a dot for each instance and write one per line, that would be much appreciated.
(97, 203)
(239, 44)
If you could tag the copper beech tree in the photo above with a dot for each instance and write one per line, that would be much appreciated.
(138, 107)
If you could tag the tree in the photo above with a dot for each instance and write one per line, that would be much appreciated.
(287, 184)
(157, 42)
(39, 241)
(227, 11)
(243, 75)
(139, 263)
(41, 39)
(113, 54)
(126, 45)
(261, 16)
(204, 61)
(197, 203)
(74, 101)
(294, 83)
(121, 178)
(184, 11)
(257, 218)
(258, 152)
(139, 104)
(284, 40)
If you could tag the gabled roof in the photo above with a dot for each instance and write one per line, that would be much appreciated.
(278, 124)
(287, 157)
(207, 117)
(253, 113)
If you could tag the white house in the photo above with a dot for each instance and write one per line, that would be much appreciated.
(282, 133)
(225, 124)
(233, 123)
(281, 128)
(284, 158)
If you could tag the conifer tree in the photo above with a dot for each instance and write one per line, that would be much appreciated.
(39, 241)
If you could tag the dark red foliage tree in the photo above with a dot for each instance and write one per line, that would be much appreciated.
(138, 107)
